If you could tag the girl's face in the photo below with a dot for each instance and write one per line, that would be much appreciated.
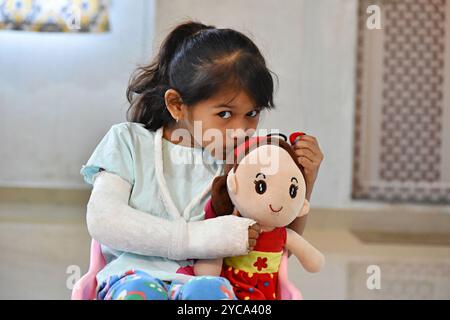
(222, 120)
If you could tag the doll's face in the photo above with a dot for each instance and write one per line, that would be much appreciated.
(268, 187)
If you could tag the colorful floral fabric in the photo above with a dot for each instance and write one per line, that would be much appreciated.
(139, 285)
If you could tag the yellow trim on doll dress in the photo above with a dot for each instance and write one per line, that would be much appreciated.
(256, 262)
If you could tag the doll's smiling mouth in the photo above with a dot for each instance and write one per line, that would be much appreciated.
(270, 206)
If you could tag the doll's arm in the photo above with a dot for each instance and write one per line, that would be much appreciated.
(298, 225)
(309, 257)
(208, 267)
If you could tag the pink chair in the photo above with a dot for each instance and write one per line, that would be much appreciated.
(286, 289)
(85, 288)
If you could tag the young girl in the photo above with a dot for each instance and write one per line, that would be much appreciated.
(150, 187)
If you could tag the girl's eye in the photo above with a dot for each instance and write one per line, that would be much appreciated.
(260, 186)
(293, 190)
(253, 113)
(224, 114)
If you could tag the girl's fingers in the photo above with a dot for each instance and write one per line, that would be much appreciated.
(253, 234)
(309, 138)
(307, 163)
(306, 153)
(315, 159)
(306, 145)
(310, 145)
(256, 227)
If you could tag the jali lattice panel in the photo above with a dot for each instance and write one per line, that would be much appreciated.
(402, 117)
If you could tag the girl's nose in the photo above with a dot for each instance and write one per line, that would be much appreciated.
(238, 133)
(236, 136)
(241, 129)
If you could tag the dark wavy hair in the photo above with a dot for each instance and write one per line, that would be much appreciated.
(198, 61)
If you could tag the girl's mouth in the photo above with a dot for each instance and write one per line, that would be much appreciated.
(270, 206)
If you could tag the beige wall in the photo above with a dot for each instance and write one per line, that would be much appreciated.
(60, 93)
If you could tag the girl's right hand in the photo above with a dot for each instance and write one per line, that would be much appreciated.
(223, 236)
(253, 231)
(253, 234)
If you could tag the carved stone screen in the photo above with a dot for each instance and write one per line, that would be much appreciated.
(402, 115)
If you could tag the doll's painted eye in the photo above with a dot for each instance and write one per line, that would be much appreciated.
(293, 191)
(260, 186)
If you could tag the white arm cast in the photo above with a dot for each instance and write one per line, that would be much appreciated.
(112, 222)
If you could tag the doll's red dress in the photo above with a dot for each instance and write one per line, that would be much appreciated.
(254, 276)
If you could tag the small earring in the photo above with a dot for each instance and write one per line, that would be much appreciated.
(176, 119)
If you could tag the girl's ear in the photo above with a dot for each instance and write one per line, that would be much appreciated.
(174, 103)
(231, 182)
(220, 199)
(305, 209)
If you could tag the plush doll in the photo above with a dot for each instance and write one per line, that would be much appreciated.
(265, 183)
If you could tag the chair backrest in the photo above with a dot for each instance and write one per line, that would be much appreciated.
(286, 289)
(85, 288)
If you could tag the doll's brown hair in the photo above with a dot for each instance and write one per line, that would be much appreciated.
(220, 199)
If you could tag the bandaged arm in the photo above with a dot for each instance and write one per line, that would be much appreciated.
(112, 222)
